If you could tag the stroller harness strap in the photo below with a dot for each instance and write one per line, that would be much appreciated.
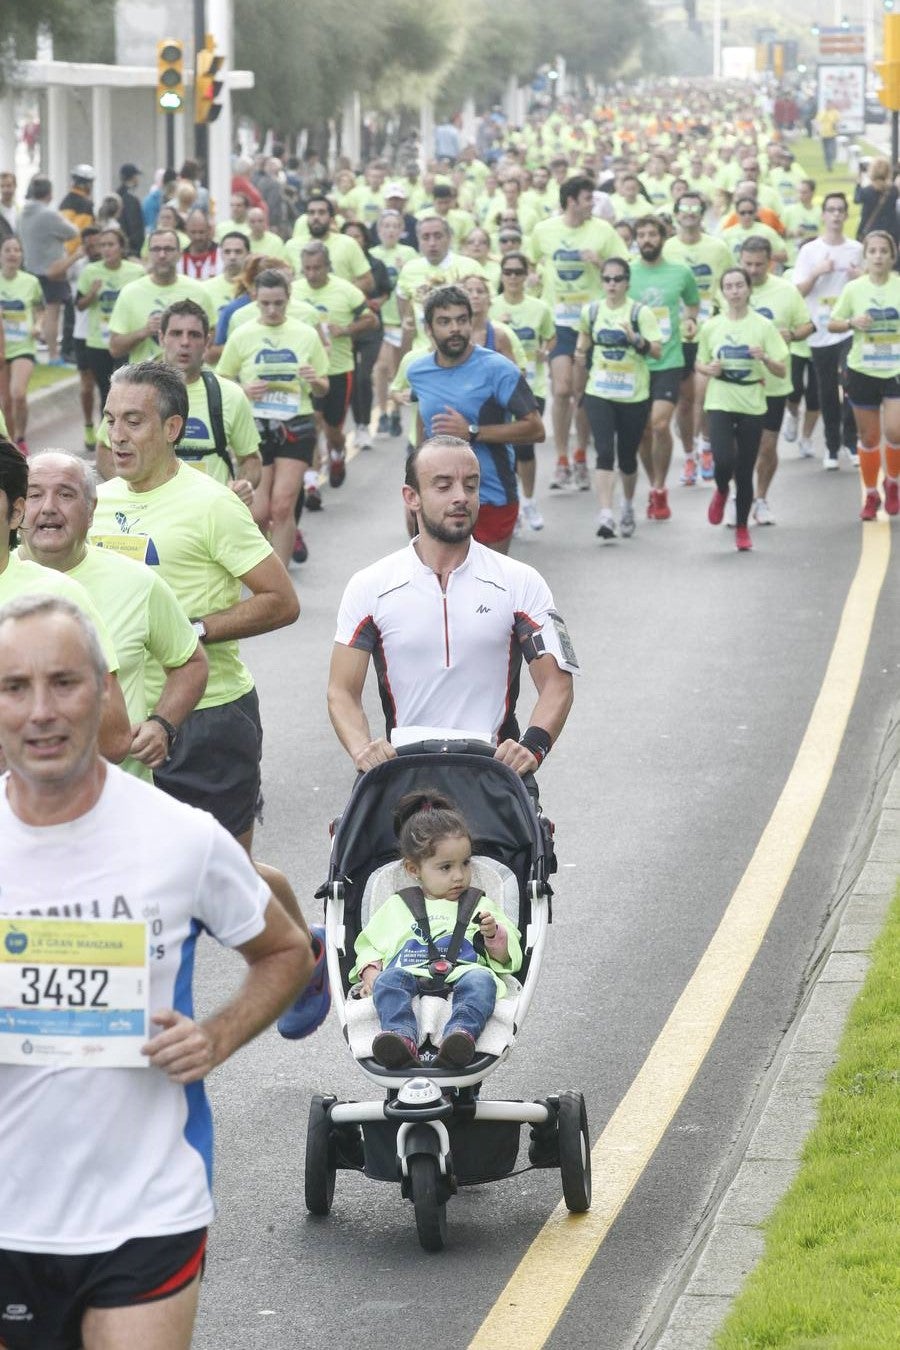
(414, 899)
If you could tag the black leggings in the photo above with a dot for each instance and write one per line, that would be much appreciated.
(830, 364)
(803, 373)
(617, 429)
(365, 354)
(735, 438)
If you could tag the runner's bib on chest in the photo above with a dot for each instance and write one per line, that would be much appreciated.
(73, 993)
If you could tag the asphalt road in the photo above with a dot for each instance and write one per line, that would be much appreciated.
(700, 670)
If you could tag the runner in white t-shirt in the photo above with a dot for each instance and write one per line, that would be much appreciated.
(101, 1060)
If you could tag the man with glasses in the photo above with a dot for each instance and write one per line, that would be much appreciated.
(134, 322)
(532, 322)
(823, 268)
(747, 212)
(707, 258)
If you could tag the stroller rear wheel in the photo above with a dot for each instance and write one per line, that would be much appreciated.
(431, 1209)
(321, 1158)
(574, 1152)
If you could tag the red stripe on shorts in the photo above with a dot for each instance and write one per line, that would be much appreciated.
(182, 1277)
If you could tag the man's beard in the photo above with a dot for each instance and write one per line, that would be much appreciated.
(650, 252)
(446, 534)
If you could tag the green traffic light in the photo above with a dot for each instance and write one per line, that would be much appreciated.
(170, 102)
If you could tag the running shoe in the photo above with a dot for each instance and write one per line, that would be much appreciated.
(761, 512)
(337, 468)
(870, 505)
(606, 526)
(689, 472)
(651, 505)
(742, 541)
(851, 454)
(627, 523)
(716, 509)
(731, 514)
(384, 426)
(312, 498)
(562, 476)
(396, 427)
(22, 447)
(582, 476)
(363, 439)
(707, 465)
(663, 510)
(805, 446)
(829, 461)
(394, 1051)
(891, 496)
(90, 437)
(309, 1010)
(531, 515)
(790, 426)
(299, 552)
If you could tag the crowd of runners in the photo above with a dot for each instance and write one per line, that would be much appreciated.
(597, 247)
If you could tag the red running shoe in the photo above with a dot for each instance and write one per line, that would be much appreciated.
(715, 513)
(742, 541)
(337, 468)
(651, 505)
(300, 552)
(663, 510)
(870, 505)
(892, 496)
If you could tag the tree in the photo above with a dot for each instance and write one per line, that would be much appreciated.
(82, 30)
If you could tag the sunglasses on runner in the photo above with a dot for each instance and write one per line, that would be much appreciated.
(615, 277)
(513, 271)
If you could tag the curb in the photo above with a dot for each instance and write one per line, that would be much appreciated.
(731, 1240)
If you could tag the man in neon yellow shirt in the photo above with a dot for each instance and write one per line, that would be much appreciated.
(206, 546)
(134, 322)
(281, 364)
(145, 621)
(21, 576)
(570, 249)
(437, 265)
(345, 255)
(99, 285)
(344, 314)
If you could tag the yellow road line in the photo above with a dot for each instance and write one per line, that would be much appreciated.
(549, 1273)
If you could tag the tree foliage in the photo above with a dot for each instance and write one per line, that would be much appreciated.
(83, 30)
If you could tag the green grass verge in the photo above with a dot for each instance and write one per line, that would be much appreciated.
(808, 154)
(43, 377)
(830, 1275)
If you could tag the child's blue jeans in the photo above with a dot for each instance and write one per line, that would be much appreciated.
(473, 997)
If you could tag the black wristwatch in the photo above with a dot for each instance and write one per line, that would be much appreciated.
(168, 728)
(473, 432)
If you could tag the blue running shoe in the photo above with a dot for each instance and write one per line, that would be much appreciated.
(310, 1009)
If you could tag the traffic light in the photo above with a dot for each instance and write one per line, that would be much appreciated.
(889, 69)
(170, 75)
(207, 87)
(887, 6)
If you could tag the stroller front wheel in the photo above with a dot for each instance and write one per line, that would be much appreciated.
(431, 1210)
(321, 1158)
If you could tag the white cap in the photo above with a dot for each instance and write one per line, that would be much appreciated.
(395, 190)
(84, 171)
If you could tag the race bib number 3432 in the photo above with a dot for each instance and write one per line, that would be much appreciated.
(73, 993)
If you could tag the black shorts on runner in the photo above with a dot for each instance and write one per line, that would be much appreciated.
(665, 385)
(81, 357)
(57, 292)
(774, 413)
(566, 342)
(334, 405)
(44, 1297)
(215, 763)
(867, 391)
(292, 438)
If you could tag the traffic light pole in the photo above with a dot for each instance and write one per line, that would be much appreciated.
(895, 140)
(170, 140)
(201, 135)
